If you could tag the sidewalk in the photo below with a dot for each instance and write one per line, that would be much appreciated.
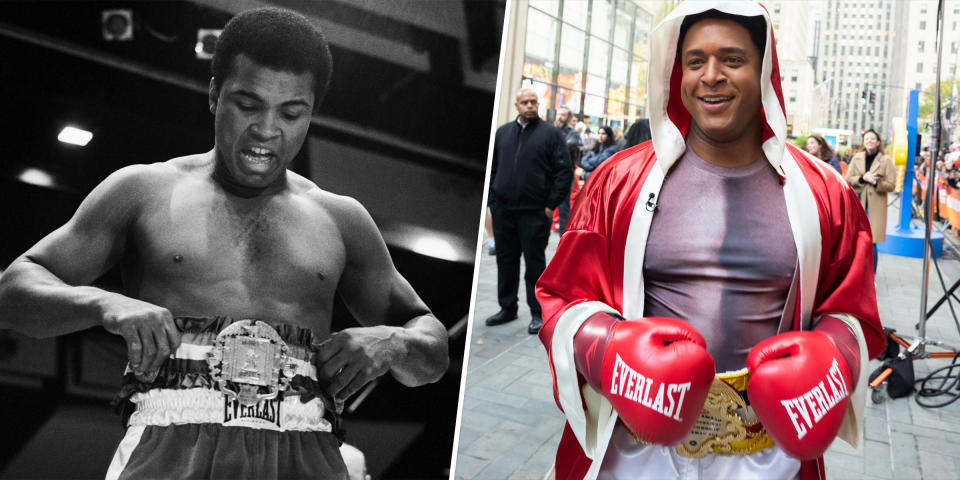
(510, 425)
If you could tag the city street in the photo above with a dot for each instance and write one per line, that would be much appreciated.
(510, 425)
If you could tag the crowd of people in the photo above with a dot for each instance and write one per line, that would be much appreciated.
(588, 150)
(870, 171)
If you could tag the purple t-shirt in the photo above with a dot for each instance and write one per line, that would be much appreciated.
(721, 254)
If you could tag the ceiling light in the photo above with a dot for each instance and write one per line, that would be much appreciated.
(117, 24)
(435, 247)
(206, 42)
(75, 136)
(35, 176)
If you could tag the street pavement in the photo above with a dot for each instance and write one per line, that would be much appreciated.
(511, 426)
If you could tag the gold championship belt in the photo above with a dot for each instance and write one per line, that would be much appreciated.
(249, 356)
(726, 425)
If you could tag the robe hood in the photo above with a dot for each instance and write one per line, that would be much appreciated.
(669, 119)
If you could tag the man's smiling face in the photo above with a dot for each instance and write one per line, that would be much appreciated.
(720, 86)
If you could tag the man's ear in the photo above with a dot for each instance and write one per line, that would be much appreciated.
(213, 96)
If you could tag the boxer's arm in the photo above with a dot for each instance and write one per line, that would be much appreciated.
(40, 293)
(43, 293)
(399, 333)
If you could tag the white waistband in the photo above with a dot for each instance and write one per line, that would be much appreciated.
(162, 407)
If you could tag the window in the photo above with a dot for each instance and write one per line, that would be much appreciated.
(920, 45)
(923, 25)
(953, 47)
(918, 86)
(793, 76)
(920, 67)
(776, 8)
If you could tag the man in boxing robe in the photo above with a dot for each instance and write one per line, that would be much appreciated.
(757, 249)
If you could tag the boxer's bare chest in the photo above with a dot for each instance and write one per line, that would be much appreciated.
(198, 251)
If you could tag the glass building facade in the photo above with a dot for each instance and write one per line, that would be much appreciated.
(590, 56)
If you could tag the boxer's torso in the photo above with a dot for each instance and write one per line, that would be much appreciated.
(721, 254)
(196, 250)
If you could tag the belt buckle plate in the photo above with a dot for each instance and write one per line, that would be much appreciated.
(721, 423)
(247, 355)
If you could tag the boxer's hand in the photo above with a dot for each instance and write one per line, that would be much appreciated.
(799, 388)
(549, 212)
(656, 374)
(353, 357)
(148, 330)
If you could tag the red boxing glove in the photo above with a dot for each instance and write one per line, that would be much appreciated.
(799, 388)
(657, 374)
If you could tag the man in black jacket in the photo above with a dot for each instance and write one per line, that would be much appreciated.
(530, 176)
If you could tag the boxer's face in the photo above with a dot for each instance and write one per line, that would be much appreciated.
(262, 117)
(720, 86)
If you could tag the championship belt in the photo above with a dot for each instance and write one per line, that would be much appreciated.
(249, 356)
(726, 425)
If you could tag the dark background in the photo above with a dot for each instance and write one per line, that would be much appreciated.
(404, 129)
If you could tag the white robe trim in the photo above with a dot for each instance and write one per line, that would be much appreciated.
(851, 431)
(587, 425)
(805, 222)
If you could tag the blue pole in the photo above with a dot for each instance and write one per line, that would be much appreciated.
(906, 197)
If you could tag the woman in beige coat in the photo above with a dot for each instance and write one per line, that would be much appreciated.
(872, 174)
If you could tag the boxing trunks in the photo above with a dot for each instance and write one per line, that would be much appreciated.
(239, 399)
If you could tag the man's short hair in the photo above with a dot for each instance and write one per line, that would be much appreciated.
(276, 38)
(755, 25)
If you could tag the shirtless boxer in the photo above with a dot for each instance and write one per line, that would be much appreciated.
(207, 240)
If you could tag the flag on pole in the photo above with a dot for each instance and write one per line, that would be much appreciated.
(822, 90)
